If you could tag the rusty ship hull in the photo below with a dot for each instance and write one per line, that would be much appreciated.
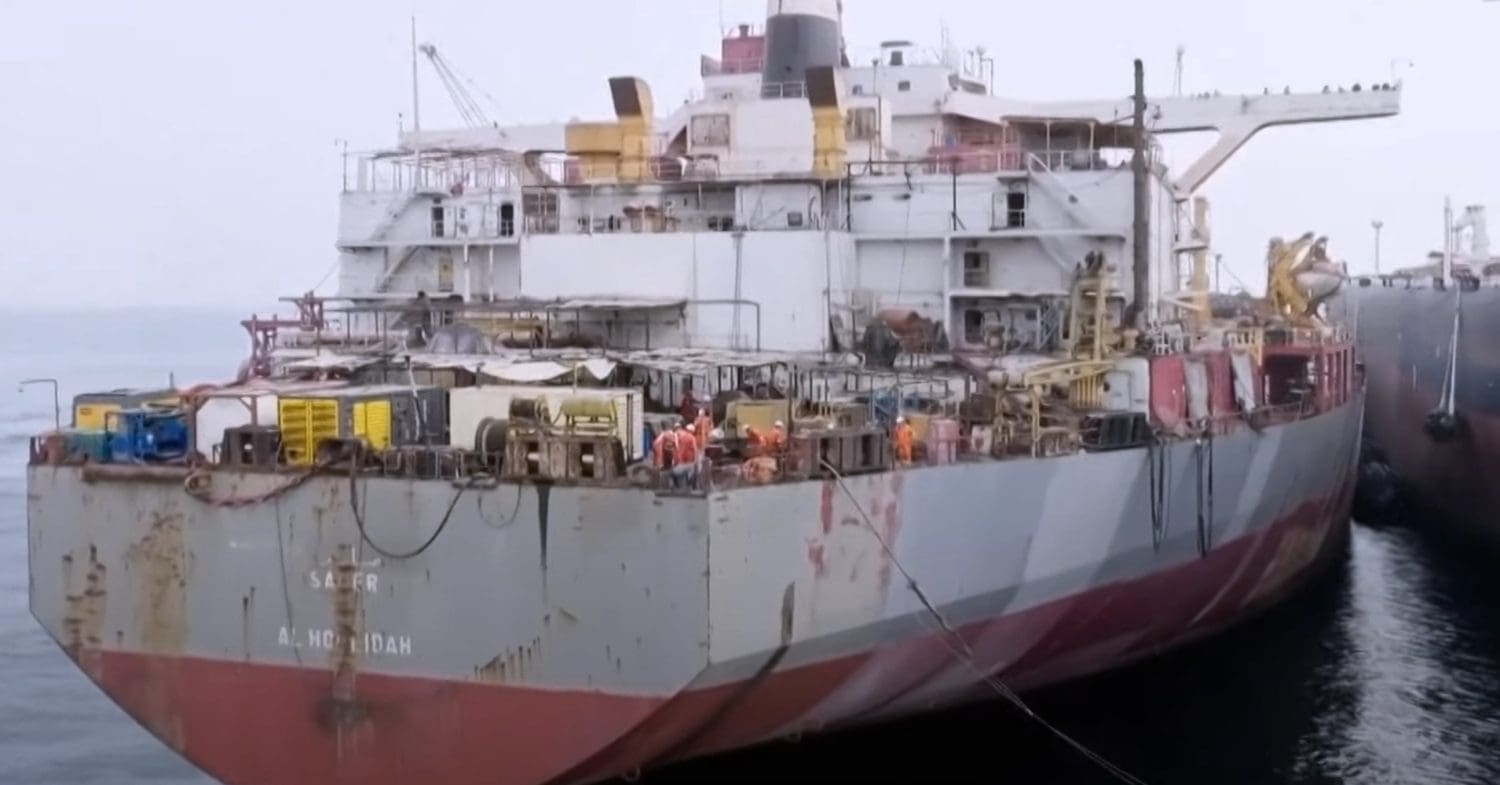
(570, 634)
(1406, 339)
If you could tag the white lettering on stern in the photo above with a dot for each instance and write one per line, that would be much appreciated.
(368, 643)
(328, 580)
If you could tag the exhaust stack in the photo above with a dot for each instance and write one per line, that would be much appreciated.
(800, 35)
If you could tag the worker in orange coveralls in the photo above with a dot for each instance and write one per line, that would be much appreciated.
(776, 442)
(902, 436)
(703, 426)
(664, 450)
(686, 473)
(755, 444)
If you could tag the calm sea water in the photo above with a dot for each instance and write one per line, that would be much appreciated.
(1387, 670)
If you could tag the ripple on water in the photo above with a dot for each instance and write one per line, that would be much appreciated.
(1411, 693)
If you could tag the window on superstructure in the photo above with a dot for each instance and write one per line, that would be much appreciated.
(507, 219)
(976, 269)
(710, 130)
(438, 224)
(861, 124)
(903, 86)
(1015, 210)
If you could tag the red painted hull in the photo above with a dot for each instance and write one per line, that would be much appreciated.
(267, 725)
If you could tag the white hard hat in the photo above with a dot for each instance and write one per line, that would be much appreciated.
(780, 424)
(690, 428)
(900, 420)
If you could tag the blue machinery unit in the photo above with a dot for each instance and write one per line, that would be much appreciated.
(145, 435)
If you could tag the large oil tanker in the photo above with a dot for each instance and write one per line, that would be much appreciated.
(1433, 419)
(964, 422)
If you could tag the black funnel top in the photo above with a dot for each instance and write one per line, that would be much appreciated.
(800, 34)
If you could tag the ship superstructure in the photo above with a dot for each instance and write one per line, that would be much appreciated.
(963, 411)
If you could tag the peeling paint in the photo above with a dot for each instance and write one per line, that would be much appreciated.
(346, 623)
(161, 569)
(815, 557)
(343, 711)
(511, 664)
(83, 613)
(247, 607)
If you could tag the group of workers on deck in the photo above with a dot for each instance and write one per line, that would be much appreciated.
(679, 453)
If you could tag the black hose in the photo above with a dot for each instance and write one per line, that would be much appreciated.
(359, 518)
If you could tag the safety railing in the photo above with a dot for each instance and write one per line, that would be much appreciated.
(733, 65)
(1251, 339)
(449, 175)
(576, 171)
(783, 90)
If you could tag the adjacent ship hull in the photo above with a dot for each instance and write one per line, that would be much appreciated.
(570, 634)
(1406, 338)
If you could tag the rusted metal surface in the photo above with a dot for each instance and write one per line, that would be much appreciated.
(83, 618)
(513, 664)
(129, 473)
(159, 561)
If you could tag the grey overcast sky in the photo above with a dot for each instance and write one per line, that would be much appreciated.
(185, 152)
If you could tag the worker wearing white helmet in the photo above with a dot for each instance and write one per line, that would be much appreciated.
(776, 442)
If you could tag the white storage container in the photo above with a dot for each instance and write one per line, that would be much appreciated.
(469, 406)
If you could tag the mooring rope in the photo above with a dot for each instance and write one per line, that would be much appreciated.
(965, 654)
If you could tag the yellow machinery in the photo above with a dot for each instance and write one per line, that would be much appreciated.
(1092, 334)
(1201, 311)
(1286, 263)
(306, 422)
(1093, 340)
(759, 414)
(380, 416)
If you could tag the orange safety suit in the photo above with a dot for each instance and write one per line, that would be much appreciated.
(776, 442)
(664, 449)
(903, 439)
(702, 427)
(754, 442)
(687, 447)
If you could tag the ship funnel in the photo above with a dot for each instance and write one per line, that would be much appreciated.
(800, 34)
